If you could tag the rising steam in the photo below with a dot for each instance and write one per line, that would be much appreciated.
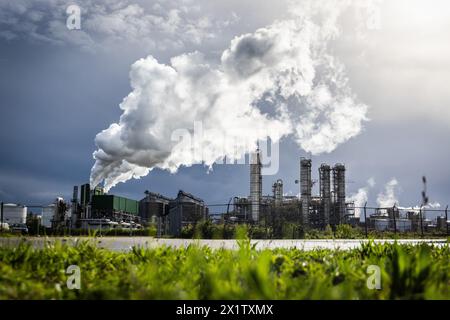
(361, 197)
(284, 69)
(388, 197)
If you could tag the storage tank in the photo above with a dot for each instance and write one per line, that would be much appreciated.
(47, 215)
(403, 225)
(14, 213)
(381, 224)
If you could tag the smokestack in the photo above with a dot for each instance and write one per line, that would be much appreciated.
(255, 184)
(325, 191)
(305, 188)
(339, 191)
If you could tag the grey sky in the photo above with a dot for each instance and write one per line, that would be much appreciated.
(59, 88)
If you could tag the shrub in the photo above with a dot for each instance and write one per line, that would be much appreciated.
(346, 231)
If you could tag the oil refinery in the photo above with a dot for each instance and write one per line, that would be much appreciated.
(93, 209)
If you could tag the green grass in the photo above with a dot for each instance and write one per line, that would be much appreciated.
(407, 272)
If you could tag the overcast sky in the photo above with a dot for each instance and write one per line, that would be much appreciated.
(59, 88)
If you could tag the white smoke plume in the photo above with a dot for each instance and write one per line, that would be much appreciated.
(361, 197)
(431, 205)
(284, 67)
(388, 198)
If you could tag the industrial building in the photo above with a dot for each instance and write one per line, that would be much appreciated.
(13, 217)
(185, 209)
(114, 207)
(14, 213)
(47, 215)
(313, 211)
(96, 210)
(154, 208)
(92, 209)
(99, 211)
(329, 207)
(171, 215)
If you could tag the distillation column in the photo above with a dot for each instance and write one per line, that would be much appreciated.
(339, 191)
(74, 209)
(305, 188)
(255, 185)
(277, 190)
(325, 191)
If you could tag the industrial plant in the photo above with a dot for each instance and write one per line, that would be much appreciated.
(327, 208)
(92, 209)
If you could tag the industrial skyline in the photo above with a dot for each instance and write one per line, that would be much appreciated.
(91, 208)
(48, 126)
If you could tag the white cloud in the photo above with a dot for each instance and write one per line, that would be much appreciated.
(284, 65)
(402, 67)
(160, 25)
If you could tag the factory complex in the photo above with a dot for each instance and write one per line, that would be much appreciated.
(92, 209)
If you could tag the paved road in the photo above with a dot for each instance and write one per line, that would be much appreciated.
(126, 243)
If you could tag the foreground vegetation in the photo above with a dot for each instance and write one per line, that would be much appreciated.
(407, 272)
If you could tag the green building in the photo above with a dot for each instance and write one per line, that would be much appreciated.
(111, 206)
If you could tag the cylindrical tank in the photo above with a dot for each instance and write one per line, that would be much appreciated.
(404, 225)
(14, 213)
(47, 215)
(381, 224)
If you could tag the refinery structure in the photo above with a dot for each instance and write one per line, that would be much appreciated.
(92, 209)
(327, 208)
